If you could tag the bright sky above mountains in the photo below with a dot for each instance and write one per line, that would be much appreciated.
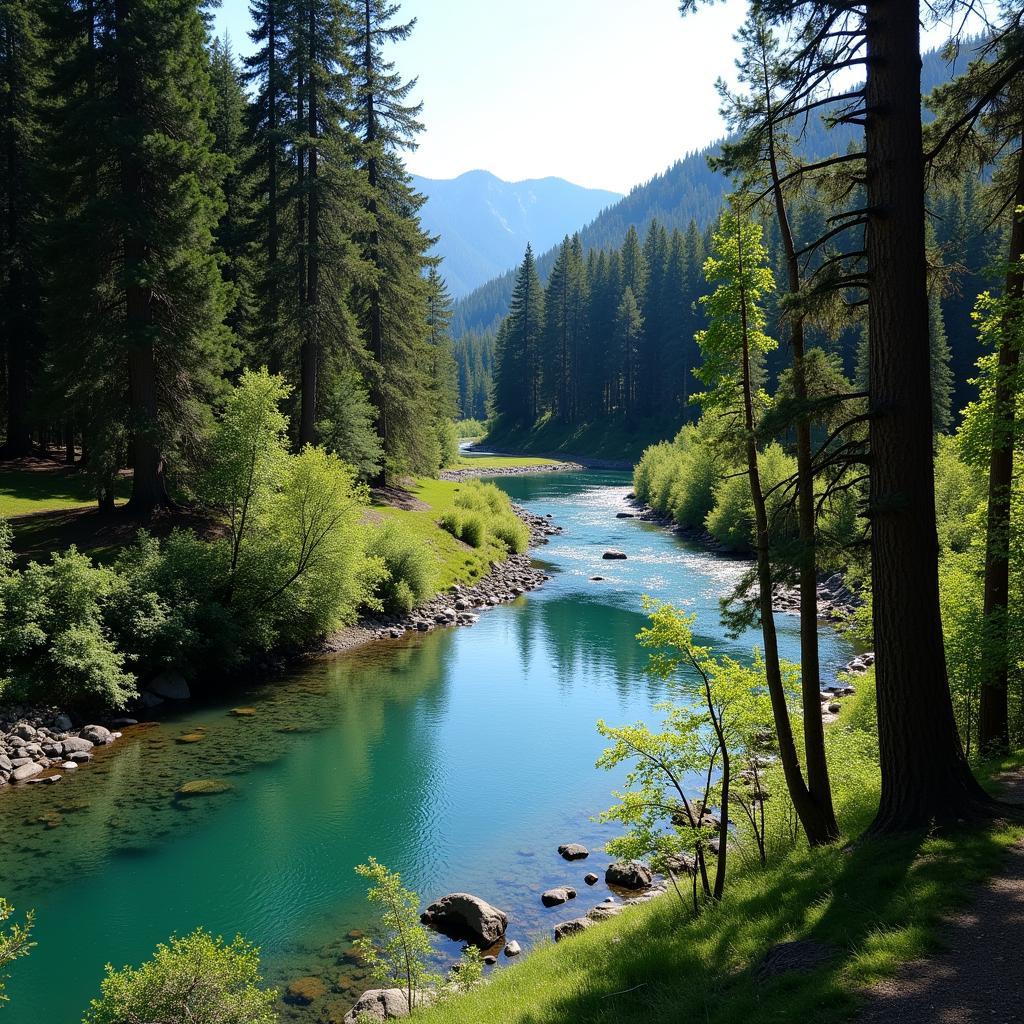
(605, 93)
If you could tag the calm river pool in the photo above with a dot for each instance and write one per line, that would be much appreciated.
(462, 758)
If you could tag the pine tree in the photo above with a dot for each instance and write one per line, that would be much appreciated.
(392, 303)
(136, 285)
(21, 82)
(629, 323)
(517, 372)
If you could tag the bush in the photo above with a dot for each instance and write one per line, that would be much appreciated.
(512, 532)
(192, 980)
(410, 569)
(482, 497)
(55, 644)
(470, 428)
(452, 522)
(474, 529)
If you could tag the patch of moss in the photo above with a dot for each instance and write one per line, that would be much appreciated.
(204, 787)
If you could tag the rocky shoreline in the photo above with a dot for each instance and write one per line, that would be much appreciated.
(542, 467)
(40, 744)
(836, 602)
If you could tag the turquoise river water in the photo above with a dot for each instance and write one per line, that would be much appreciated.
(461, 758)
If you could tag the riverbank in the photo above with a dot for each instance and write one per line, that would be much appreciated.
(39, 745)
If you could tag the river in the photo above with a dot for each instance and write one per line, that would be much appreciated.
(461, 758)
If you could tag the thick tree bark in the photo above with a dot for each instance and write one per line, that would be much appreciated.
(925, 776)
(993, 712)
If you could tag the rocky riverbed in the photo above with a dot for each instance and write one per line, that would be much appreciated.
(39, 745)
(472, 473)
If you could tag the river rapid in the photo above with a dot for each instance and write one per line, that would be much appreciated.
(461, 758)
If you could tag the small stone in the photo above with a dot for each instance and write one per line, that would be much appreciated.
(69, 766)
(513, 949)
(490, 959)
(613, 555)
(590, 878)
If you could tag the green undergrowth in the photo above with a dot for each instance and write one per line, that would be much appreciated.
(454, 560)
(874, 903)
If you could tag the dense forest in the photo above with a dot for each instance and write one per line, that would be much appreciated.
(172, 216)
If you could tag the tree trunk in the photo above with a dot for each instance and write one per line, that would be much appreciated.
(925, 776)
(819, 787)
(273, 245)
(993, 712)
(810, 814)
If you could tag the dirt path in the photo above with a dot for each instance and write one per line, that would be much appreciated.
(978, 976)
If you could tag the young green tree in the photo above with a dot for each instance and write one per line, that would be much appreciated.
(15, 942)
(196, 979)
(711, 734)
(402, 951)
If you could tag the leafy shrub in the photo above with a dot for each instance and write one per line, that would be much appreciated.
(482, 497)
(474, 529)
(55, 644)
(470, 428)
(192, 980)
(512, 532)
(452, 522)
(409, 566)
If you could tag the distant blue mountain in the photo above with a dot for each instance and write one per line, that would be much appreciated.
(484, 223)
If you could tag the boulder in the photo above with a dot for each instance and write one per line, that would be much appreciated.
(460, 915)
(630, 874)
(573, 927)
(612, 555)
(603, 911)
(25, 731)
(590, 878)
(5, 763)
(26, 771)
(513, 949)
(379, 1004)
(76, 745)
(304, 991)
(624, 515)
(573, 851)
(553, 897)
(96, 734)
(62, 723)
(169, 685)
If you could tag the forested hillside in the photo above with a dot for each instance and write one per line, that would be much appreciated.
(482, 224)
(690, 195)
(175, 215)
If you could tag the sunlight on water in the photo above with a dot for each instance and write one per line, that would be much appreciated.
(461, 758)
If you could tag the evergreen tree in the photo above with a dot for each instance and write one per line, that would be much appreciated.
(21, 82)
(136, 285)
(629, 324)
(391, 304)
(517, 371)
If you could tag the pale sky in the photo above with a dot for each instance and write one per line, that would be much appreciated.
(605, 93)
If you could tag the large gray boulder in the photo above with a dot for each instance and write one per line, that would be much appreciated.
(553, 897)
(76, 745)
(97, 734)
(629, 874)
(26, 772)
(170, 685)
(379, 1004)
(573, 851)
(460, 915)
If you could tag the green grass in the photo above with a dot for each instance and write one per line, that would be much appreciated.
(875, 902)
(503, 462)
(609, 439)
(24, 491)
(456, 562)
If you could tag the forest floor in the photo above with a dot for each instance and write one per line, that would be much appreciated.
(977, 973)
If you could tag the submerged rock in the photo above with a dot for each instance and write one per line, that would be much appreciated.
(304, 991)
(460, 915)
(562, 894)
(204, 787)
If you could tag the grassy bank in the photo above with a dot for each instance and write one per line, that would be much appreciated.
(503, 462)
(610, 440)
(873, 905)
(38, 485)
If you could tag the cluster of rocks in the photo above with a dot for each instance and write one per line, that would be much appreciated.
(541, 467)
(459, 605)
(36, 745)
(830, 695)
